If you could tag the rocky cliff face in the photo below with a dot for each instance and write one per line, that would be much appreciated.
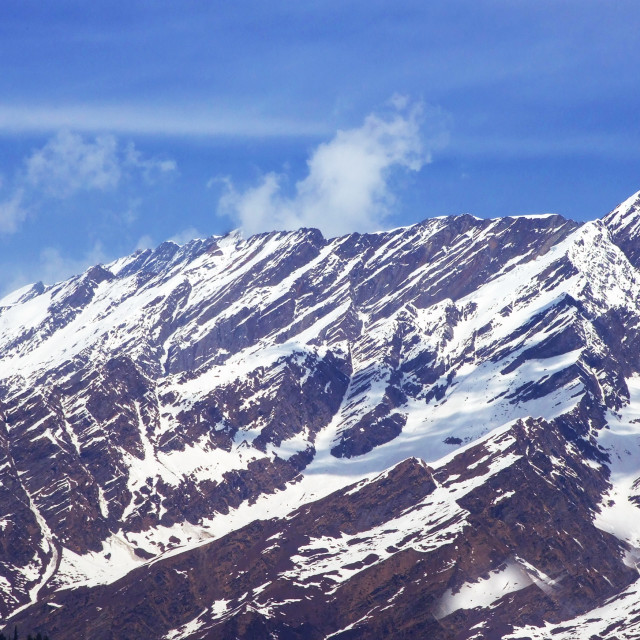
(428, 432)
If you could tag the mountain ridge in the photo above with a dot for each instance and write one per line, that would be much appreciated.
(174, 396)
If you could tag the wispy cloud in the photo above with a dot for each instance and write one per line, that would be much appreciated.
(186, 235)
(12, 212)
(131, 212)
(349, 182)
(144, 242)
(152, 169)
(69, 163)
(179, 121)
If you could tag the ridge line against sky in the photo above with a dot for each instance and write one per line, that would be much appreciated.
(123, 124)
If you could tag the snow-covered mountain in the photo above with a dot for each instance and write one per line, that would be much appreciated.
(427, 432)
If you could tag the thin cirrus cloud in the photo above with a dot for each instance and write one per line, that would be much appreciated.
(143, 120)
(349, 185)
(152, 169)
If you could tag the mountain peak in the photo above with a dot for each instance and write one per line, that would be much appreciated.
(624, 214)
(624, 225)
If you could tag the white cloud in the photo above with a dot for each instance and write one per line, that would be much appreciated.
(349, 181)
(68, 163)
(12, 213)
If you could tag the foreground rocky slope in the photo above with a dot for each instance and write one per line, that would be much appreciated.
(402, 555)
(179, 429)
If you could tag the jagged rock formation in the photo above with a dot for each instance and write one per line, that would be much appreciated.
(181, 431)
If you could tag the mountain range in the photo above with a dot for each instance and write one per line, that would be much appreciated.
(429, 432)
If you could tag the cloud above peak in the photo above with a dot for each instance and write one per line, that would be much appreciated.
(349, 184)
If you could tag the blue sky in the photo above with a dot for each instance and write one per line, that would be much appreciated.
(126, 124)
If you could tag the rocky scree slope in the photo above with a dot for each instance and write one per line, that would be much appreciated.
(182, 430)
